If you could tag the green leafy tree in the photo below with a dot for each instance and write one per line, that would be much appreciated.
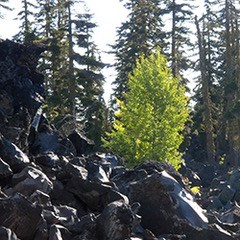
(150, 122)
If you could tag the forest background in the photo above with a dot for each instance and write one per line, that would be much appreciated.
(207, 44)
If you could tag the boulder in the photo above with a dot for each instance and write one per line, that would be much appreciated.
(7, 234)
(29, 180)
(5, 170)
(82, 144)
(58, 232)
(164, 202)
(21, 91)
(95, 195)
(12, 155)
(20, 215)
(116, 222)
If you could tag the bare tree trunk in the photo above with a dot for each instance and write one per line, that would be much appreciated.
(72, 84)
(174, 50)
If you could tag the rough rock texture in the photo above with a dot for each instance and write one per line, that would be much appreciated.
(55, 188)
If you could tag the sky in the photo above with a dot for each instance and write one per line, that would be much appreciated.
(108, 14)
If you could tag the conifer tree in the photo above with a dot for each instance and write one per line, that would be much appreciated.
(54, 23)
(221, 45)
(27, 31)
(207, 113)
(149, 123)
(75, 82)
(207, 104)
(181, 15)
(231, 81)
(4, 6)
(138, 35)
(89, 80)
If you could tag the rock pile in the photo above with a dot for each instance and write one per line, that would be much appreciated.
(54, 188)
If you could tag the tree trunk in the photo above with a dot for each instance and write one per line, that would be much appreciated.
(174, 50)
(72, 84)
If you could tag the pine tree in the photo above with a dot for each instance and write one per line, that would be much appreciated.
(27, 31)
(208, 142)
(221, 46)
(149, 123)
(181, 15)
(89, 80)
(75, 82)
(4, 6)
(231, 81)
(45, 18)
(55, 30)
(207, 114)
(138, 35)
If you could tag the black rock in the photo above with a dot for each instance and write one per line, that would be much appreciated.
(82, 144)
(12, 155)
(5, 170)
(20, 215)
(7, 234)
(115, 222)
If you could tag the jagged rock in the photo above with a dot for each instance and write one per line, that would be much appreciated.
(163, 202)
(87, 223)
(113, 160)
(81, 143)
(48, 159)
(12, 155)
(226, 194)
(76, 171)
(58, 232)
(29, 180)
(18, 214)
(42, 232)
(5, 170)
(21, 89)
(40, 198)
(216, 203)
(60, 196)
(116, 222)
(232, 215)
(55, 233)
(7, 234)
(67, 215)
(96, 173)
(95, 195)
(46, 140)
(172, 237)
(213, 232)
(122, 181)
